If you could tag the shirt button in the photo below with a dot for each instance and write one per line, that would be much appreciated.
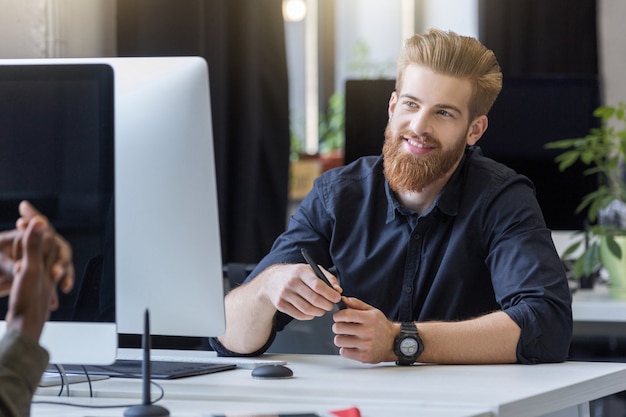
(417, 237)
(408, 290)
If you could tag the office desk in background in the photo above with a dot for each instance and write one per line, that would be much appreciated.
(595, 313)
(329, 382)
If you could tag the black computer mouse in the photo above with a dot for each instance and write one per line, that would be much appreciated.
(272, 372)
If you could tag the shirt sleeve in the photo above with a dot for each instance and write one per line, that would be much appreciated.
(221, 350)
(527, 274)
(22, 362)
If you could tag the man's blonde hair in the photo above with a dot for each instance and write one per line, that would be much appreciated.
(458, 56)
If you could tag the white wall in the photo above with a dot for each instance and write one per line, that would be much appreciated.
(57, 28)
(460, 16)
(23, 29)
(612, 40)
(377, 23)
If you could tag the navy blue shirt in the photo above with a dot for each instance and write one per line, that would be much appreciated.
(482, 247)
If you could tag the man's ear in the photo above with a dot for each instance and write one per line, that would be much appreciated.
(476, 129)
(393, 100)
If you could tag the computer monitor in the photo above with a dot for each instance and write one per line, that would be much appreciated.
(532, 111)
(166, 255)
(366, 107)
(56, 150)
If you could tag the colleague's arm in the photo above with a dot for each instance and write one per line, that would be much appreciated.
(33, 284)
(364, 334)
(63, 264)
(22, 360)
(290, 288)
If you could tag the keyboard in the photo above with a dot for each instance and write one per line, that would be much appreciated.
(159, 369)
(170, 364)
(198, 356)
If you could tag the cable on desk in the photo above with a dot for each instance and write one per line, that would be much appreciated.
(64, 380)
(159, 398)
(88, 380)
(65, 383)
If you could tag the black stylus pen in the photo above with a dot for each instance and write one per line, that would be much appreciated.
(341, 305)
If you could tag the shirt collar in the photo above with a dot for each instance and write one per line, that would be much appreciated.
(447, 201)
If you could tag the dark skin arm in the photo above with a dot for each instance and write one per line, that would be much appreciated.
(33, 286)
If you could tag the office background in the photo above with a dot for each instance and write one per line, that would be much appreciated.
(256, 63)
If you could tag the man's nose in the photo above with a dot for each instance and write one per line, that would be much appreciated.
(420, 124)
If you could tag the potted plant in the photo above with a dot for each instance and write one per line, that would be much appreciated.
(331, 132)
(603, 150)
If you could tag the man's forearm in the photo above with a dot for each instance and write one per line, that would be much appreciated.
(492, 338)
(248, 318)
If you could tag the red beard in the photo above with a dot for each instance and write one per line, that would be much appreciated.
(408, 172)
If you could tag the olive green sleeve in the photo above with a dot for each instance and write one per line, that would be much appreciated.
(22, 362)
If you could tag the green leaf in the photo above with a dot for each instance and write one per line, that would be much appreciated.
(571, 249)
(614, 247)
(567, 159)
(591, 259)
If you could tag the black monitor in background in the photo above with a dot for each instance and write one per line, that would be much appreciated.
(532, 111)
(366, 103)
(528, 113)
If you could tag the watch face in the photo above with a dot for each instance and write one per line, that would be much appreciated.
(408, 346)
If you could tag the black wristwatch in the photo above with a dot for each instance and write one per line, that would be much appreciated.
(408, 345)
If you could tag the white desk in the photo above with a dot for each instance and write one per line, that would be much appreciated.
(332, 382)
(596, 313)
(196, 408)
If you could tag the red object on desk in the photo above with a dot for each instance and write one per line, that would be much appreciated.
(348, 412)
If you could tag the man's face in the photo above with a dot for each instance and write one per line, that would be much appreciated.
(428, 128)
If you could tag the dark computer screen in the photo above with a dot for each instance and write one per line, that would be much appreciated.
(531, 112)
(366, 116)
(56, 150)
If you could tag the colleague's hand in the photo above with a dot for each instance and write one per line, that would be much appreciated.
(62, 269)
(8, 240)
(63, 265)
(33, 287)
(363, 333)
(295, 290)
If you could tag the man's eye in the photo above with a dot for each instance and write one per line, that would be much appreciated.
(410, 104)
(445, 113)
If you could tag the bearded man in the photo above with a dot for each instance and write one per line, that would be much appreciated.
(441, 254)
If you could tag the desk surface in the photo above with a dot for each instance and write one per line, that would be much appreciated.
(198, 408)
(596, 305)
(333, 382)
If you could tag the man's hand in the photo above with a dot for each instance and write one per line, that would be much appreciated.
(363, 333)
(295, 290)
